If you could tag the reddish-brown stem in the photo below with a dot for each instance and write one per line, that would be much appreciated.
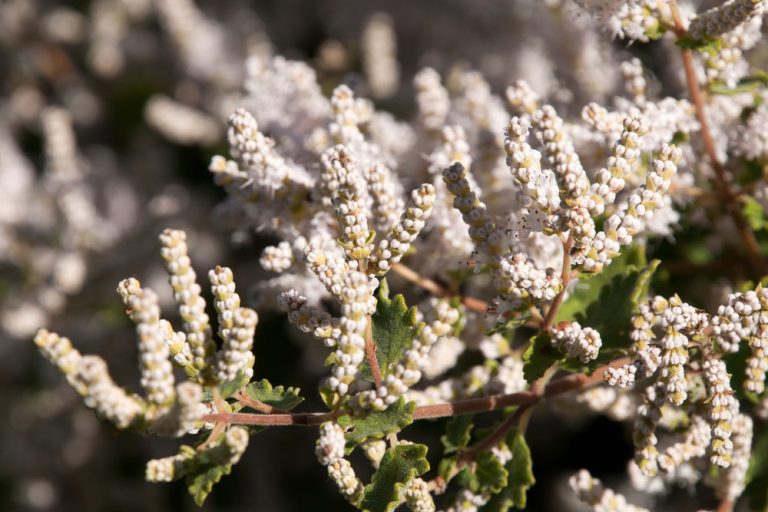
(458, 407)
(471, 303)
(720, 180)
(565, 277)
(725, 506)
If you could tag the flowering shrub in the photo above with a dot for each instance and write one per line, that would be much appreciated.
(513, 228)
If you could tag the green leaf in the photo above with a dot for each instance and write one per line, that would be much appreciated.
(279, 397)
(399, 465)
(490, 473)
(539, 356)
(508, 326)
(394, 326)
(753, 212)
(656, 31)
(227, 389)
(520, 469)
(587, 290)
(607, 303)
(707, 44)
(446, 468)
(611, 314)
(750, 83)
(377, 424)
(757, 474)
(200, 483)
(457, 433)
(736, 363)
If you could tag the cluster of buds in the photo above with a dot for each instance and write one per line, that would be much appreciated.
(591, 492)
(724, 18)
(745, 317)
(582, 343)
(167, 409)
(666, 366)
(570, 207)
(329, 449)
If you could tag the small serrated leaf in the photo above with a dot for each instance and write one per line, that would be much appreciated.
(520, 469)
(229, 388)
(623, 284)
(377, 424)
(490, 473)
(446, 468)
(277, 397)
(457, 433)
(393, 326)
(200, 483)
(538, 357)
(587, 291)
(399, 465)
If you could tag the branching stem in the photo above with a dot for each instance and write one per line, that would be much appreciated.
(455, 408)
(720, 180)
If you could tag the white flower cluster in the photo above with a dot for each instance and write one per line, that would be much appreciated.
(309, 318)
(236, 327)
(156, 370)
(186, 292)
(722, 408)
(745, 317)
(417, 496)
(330, 452)
(225, 452)
(724, 18)
(582, 343)
(591, 492)
(166, 410)
(570, 209)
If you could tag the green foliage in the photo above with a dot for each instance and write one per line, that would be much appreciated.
(399, 465)
(520, 469)
(201, 482)
(607, 303)
(279, 397)
(757, 474)
(458, 432)
(228, 389)
(587, 290)
(509, 325)
(707, 45)
(753, 212)
(520, 477)
(737, 365)
(377, 424)
(490, 473)
(394, 327)
(539, 356)
(752, 83)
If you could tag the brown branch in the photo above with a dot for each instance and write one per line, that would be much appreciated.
(458, 407)
(436, 289)
(565, 277)
(720, 180)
